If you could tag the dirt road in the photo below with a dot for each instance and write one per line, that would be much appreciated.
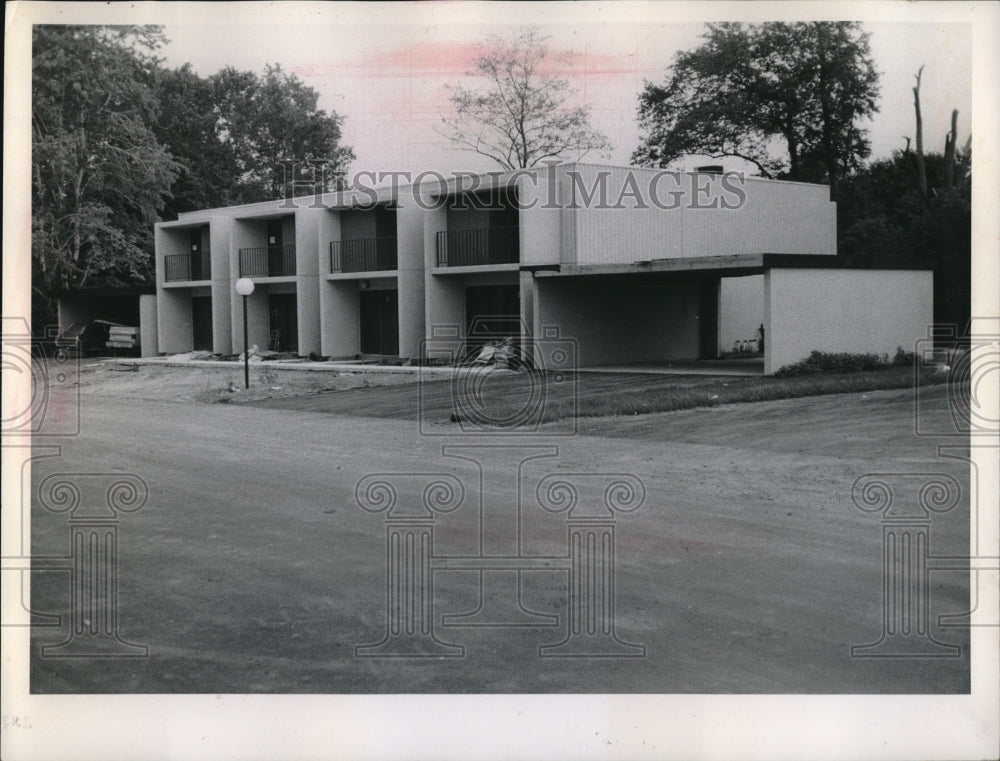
(746, 569)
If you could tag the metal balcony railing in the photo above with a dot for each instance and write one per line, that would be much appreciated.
(267, 261)
(363, 255)
(485, 245)
(181, 267)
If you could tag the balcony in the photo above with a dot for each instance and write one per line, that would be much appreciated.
(187, 267)
(476, 247)
(267, 261)
(363, 255)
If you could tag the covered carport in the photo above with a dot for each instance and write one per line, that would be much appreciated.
(669, 310)
(134, 306)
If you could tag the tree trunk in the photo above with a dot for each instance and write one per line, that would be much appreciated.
(921, 167)
(826, 112)
(949, 152)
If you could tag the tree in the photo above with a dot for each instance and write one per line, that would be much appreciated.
(99, 175)
(188, 127)
(523, 115)
(785, 97)
(272, 125)
(915, 210)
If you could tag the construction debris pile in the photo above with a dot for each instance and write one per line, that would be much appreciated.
(500, 355)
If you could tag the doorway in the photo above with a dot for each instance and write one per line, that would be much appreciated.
(379, 315)
(201, 323)
(283, 322)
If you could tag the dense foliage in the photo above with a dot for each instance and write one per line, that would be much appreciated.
(99, 174)
(120, 141)
(786, 97)
(885, 220)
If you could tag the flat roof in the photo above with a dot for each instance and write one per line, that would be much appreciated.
(372, 193)
(731, 265)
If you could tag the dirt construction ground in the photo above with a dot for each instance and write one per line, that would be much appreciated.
(746, 568)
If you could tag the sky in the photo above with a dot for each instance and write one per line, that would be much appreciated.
(387, 77)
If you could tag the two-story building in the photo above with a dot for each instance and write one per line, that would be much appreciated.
(633, 265)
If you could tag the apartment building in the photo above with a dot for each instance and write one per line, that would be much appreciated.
(632, 265)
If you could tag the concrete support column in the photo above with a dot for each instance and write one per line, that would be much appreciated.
(243, 234)
(410, 277)
(328, 226)
(148, 338)
(307, 277)
(223, 285)
(174, 321)
(341, 321)
(528, 294)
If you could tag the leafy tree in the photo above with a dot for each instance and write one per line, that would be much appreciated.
(99, 176)
(785, 97)
(187, 126)
(523, 115)
(915, 210)
(885, 220)
(271, 125)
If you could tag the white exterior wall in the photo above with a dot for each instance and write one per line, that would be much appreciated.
(539, 220)
(625, 215)
(857, 311)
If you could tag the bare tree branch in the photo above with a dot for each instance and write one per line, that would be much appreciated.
(522, 115)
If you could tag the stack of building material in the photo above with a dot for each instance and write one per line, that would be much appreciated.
(123, 337)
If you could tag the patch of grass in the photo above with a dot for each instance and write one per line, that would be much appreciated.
(673, 395)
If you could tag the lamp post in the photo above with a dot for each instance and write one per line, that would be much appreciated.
(244, 287)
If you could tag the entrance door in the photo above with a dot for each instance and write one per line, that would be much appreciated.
(708, 320)
(283, 325)
(379, 314)
(492, 312)
(274, 248)
(201, 322)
